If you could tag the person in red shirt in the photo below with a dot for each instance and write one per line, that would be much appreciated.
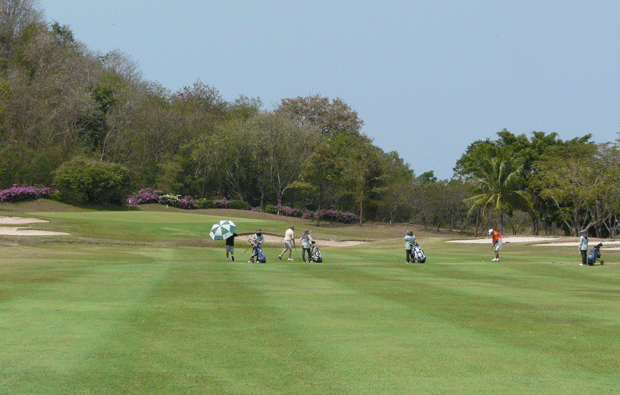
(497, 243)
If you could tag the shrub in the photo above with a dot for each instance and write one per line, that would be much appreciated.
(257, 209)
(220, 203)
(16, 193)
(187, 202)
(82, 180)
(288, 211)
(332, 216)
(144, 196)
(338, 216)
(170, 200)
(270, 208)
(204, 203)
(239, 205)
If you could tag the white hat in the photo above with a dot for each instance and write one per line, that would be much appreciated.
(490, 232)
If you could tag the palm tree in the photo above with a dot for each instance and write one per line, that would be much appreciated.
(499, 188)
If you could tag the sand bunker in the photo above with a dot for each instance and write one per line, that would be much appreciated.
(319, 242)
(513, 239)
(23, 231)
(544, 242)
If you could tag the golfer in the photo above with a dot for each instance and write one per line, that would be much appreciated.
(257, 240)
(497, 243)
(409, 240)
(289, 242)
(583, 247)
(230, 246)
(306, 245)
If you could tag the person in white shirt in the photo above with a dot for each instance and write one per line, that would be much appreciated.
(583, 247)
(289, 243)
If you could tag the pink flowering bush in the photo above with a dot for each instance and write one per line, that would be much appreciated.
(148, 195)
(257, 209)
(145, 196)
(220, 203)
(17, 193)
(187, 202)
(332, 216)
(288, 211)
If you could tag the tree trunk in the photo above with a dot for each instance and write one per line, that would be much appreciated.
(361, 208)
(501, 221)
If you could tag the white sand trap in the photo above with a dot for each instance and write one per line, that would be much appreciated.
(19, 220)
(319, 242)
(23, 231)
(513, 239)
(545, 242)
(591, 243)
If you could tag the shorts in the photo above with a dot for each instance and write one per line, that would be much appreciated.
(288, 246)
(230, 249)
(498, 245)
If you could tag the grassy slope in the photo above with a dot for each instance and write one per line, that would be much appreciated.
(128, 305)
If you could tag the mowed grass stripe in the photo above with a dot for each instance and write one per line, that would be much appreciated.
(182, 320)
(521, 330)
(383, 342)
(244, 342)
(58, 330)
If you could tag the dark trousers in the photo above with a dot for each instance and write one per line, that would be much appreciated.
(303, 254)
(409, 256)
(584, 257)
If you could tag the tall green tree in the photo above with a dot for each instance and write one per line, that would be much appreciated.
(331, 117)
(282, 145)
(499, 187)
(228, 154)
(571, 178)
(527, 152)
(320, 175)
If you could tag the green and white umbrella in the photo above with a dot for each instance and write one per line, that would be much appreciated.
(222, 230)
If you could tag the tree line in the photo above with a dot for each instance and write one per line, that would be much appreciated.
(63, 106)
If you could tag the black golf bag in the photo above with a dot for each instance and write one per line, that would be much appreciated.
(316, 255)
(417, 253)
(594, 254)
(260, 257)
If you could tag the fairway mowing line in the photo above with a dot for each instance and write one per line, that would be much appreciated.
(461, 263)
(309, 263)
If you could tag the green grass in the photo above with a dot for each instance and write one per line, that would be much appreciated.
(121, 307)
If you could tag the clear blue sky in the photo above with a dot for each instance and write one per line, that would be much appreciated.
(427, 77)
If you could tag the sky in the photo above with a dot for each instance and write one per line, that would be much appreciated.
(428, 78)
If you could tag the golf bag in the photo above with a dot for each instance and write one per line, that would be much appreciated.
(260, 257)
(417, 253)
(316, 255)
(594, 254)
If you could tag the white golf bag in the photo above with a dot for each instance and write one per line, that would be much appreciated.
(418, 253)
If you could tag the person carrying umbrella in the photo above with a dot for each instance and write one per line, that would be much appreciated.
(225, 230)
(230, 246)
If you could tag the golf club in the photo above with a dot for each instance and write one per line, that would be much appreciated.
(246, 250)
(487, 254)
